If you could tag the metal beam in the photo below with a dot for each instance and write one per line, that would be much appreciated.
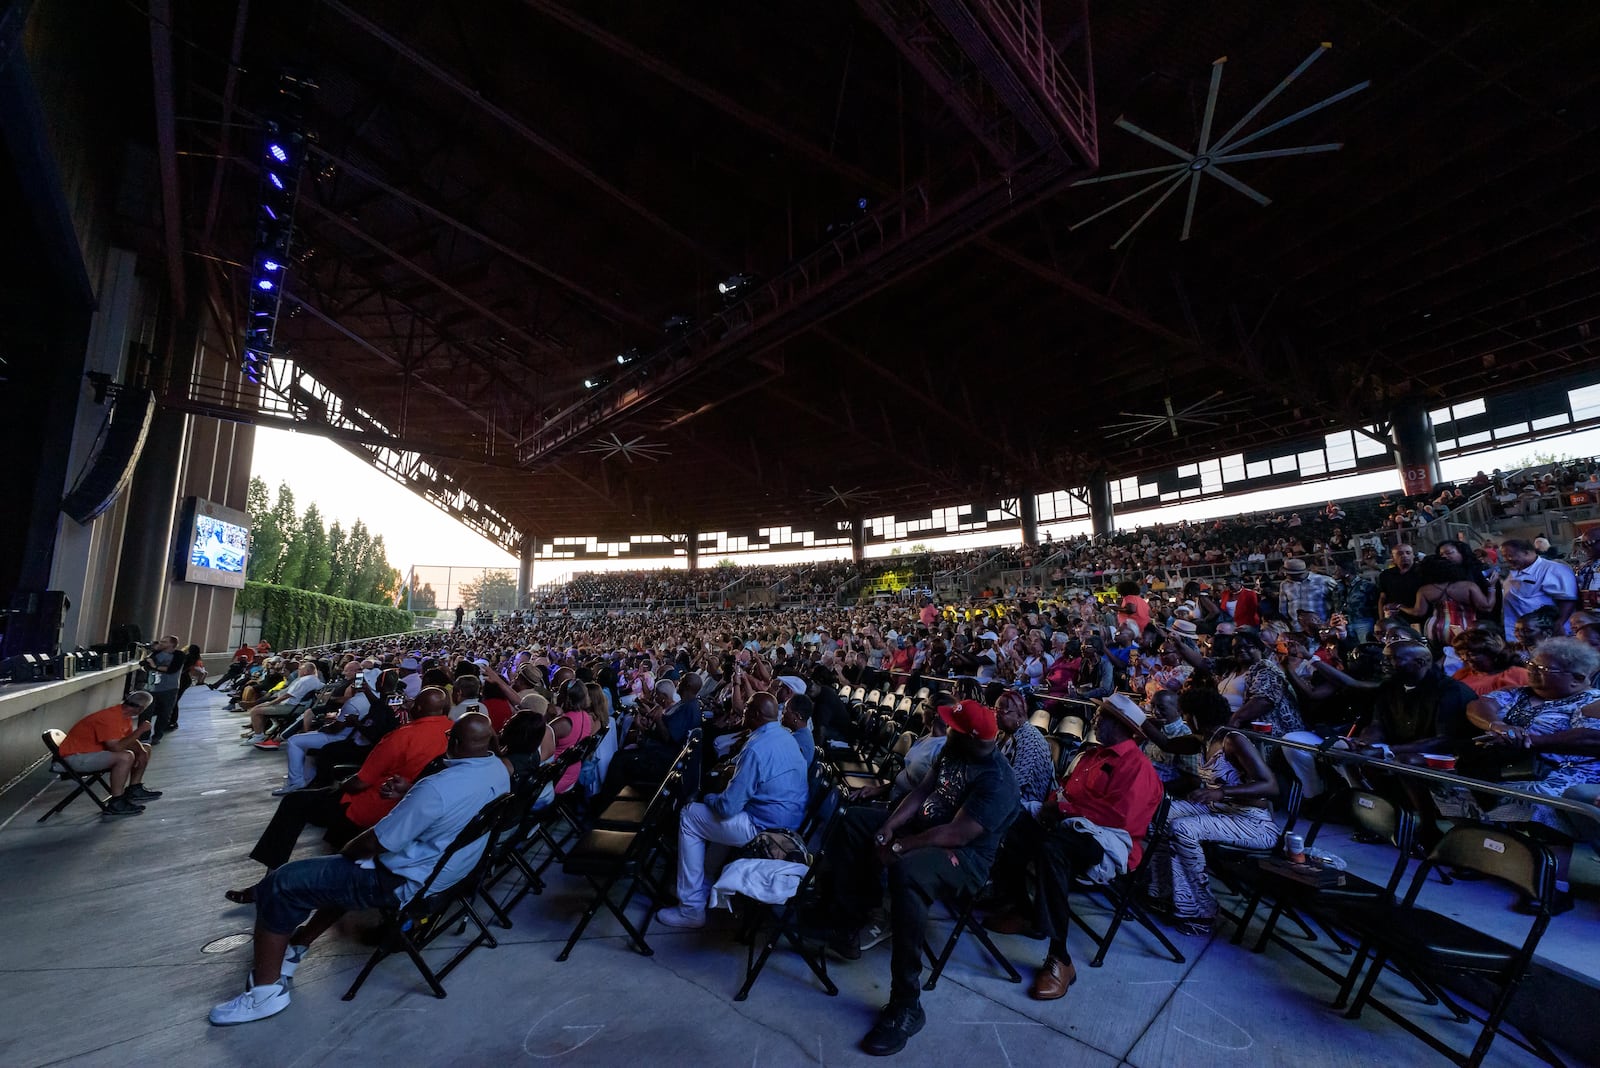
(230, 87)
(167, 145)
(522, 129)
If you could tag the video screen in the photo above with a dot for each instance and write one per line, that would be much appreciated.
(218, 548)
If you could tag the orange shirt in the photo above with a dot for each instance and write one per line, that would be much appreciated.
(1511, 678)
(404, 751)
(90, 733)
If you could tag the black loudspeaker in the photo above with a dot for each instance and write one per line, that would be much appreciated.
(113, 465)
(23, 668)
(34, 623)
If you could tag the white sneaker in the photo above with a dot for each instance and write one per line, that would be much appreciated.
(686, 918)
(291, 961)
(253, 739)
(257, 1003)
(284, 789)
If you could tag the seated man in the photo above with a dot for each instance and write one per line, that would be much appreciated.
(941, 838)
(662, 736)
(365, 797)
(109, 740)
(384, 866)
(1093, 828)
(344, 695)
(293, 696)
(243, 658)
(768, 790)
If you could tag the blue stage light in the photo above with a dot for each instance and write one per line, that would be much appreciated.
(270, 213)
(270, 265)
(274, 179)
(265, 283)
(278, 153)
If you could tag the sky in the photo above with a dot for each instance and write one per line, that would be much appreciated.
(416, 533)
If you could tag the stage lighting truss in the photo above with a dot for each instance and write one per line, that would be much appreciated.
(1208, 155)
(608, 446)
(1210, 412)
(834, 497)
(283, 149)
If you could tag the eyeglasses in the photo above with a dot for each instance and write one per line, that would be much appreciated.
(1537, 668)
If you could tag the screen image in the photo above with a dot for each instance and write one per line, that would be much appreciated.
(218, 546)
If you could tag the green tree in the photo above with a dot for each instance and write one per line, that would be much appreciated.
(361, 580)
(317, 563)
(338, 580)
(287, 523)
(423, 598)
(266, 537)
(493, 591)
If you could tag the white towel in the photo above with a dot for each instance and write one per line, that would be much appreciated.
(770, 881)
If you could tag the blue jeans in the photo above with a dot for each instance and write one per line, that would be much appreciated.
(287, 896)
(1361, 628)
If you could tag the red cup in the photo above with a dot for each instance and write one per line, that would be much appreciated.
(1439, 761)
(1262, 726)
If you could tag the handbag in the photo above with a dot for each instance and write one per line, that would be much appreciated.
(775, 844)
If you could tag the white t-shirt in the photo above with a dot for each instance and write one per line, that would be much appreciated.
(304, 686)
(1529, 589)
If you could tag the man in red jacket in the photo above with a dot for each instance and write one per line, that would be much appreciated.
(1093, 827)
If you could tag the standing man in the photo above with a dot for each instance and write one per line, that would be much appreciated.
(1357, 598)
(165, 668)
(941, 838)
(1535, 582)
(1303, 595)
(461, 613)
(109, 740)
(1399, 582)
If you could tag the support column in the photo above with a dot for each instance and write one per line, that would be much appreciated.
(1028, 517)
(692, 549)
(858, 540)
(1100, 512)
(1416, 449)
(528, 553)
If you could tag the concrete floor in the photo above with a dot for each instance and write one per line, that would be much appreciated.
(107, 920)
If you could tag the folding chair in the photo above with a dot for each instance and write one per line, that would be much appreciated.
(1427, 942)
(86, 781)
(412, 927)
(605, 857)
(516, 829)
(961, 907)
(1239, 869)
(827, 803)
(1123, 893)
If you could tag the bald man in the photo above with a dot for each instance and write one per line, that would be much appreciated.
(382, 867)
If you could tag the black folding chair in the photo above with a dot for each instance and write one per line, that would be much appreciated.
(1239, 868)
(412, 927)
(516, 829)
(1123, 894)
(605, 857)
(826, 804)
(961, 906)
(1426, 942)
(86, 781)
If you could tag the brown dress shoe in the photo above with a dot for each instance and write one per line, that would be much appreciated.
(1053, 979)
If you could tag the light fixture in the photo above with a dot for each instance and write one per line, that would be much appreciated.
(733, 284)
(596, 382)
(270, 265)
(274, 179)
(264, 284)
(625, 358)
(277, 152)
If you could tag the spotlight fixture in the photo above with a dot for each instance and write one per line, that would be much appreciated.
(677, 326)
(264, 284)
(277, 152)
(274, 179)
(625, 358)
(270, 265)
(596, 381)
(281, 148)
(731, 286)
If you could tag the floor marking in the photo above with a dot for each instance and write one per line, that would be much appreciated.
(24, 805)
(212, 793)
(592, 1029)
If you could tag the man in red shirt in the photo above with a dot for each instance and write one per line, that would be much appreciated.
(1093, 827)
(109, 740)
(1243, 603)
(363, 799)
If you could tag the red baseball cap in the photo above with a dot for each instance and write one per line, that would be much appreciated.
(971, 717)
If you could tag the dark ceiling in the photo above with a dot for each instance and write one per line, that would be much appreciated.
(508, 193)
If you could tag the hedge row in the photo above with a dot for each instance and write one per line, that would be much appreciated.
(292, 618)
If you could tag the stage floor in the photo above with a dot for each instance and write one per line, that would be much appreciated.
(108, 922)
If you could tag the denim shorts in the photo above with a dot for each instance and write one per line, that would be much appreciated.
(287, 896)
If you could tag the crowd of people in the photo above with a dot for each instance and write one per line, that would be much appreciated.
(1163, 686)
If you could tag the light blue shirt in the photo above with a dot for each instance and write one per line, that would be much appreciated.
(769, 785)
(421, 827)
(807, 744)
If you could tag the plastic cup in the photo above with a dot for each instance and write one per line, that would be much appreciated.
(1262, 726)
(1439, 761)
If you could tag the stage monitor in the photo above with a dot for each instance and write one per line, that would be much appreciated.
(217, 541)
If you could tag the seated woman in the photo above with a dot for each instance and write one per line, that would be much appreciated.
(1486, 663)
(526, 742)
(1232, 805)
(1557, 717)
